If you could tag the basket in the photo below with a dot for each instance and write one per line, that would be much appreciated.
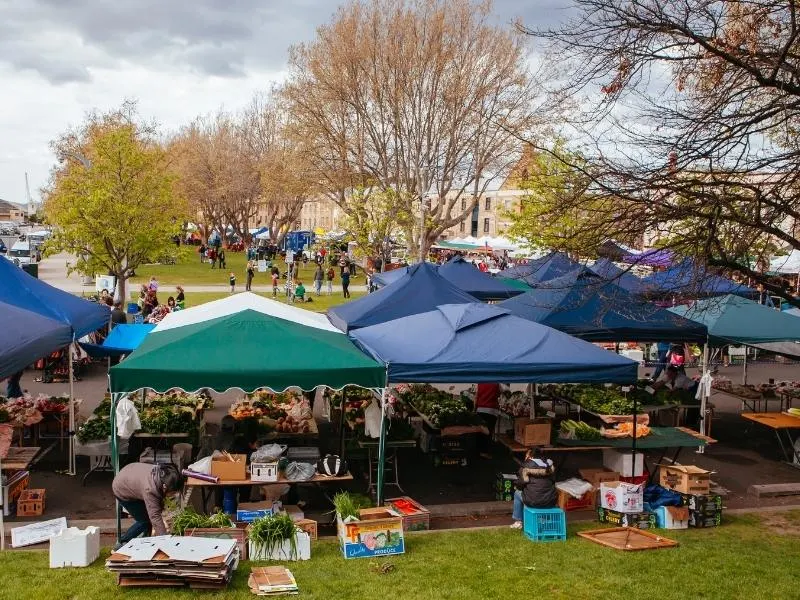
(544, 524)
(30, 503)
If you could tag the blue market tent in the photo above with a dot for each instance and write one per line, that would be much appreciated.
(388, 277)
(123, 339)
(621, 277)
(484, 343)
(551, 266)
(24, 291)
(419, 290)
(690, 279)
(483, 286)
(733, 319)
(583, 304)
(26, 337)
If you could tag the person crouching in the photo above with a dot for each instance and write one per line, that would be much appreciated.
(536, 487)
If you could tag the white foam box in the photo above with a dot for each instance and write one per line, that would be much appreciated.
(73, 547)
(284, 550)
(622, 497)
(264, 471)
(623, 463)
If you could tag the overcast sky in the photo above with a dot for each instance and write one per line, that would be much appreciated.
(179, 59)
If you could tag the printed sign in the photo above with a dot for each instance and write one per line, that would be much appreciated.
(262, 266)
(381, 537)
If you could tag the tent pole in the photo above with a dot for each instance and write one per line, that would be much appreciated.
(382, 449)
(115, 456)
(633, 446)
(744, 367)
(704, 396)
(532, 403)
(71, 432)
(341, 423)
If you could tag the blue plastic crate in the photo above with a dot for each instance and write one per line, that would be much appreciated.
(544, 524)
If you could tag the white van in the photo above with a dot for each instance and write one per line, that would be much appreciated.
(22, 254)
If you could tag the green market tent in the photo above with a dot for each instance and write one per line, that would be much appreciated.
(733, 319)
(246, 342)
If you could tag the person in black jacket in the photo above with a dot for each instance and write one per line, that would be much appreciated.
(536, 487)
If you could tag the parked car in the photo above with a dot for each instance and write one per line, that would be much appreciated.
(21, 253)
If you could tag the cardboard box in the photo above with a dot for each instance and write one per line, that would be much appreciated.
(415, 516)
(567, 503)
(264, 471)
(702, 520)
(707, 504)
(598, 476)
(247, 512)
(223, 533)
(309, 526)
(532, 432)
(622, 497)
(641, 520)
(623, 463)
(686, 479)
(379, 532)
(226, 470)
(504, 483)
(294, 511)
(504, 496)
(672, 517)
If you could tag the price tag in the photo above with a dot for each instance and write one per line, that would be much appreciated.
(649, 390)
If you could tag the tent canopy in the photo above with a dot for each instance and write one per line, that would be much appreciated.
(583, 304)
(123, 339)
(786, 264)
(624, 279)
(549, 267)
(460, 343)
(27, 292)
(688, 278)
(652, 258)
(419, 290)
(741, 321)
(246, 342)
(27, 336)
(389, 277)
(482, 286)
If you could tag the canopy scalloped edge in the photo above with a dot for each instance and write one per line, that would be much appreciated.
(240, 389)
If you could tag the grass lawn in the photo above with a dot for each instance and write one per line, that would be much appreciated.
(745, 558)
(190, 271)
(319, 304)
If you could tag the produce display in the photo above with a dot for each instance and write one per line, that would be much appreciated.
(285, 413)
(626, 430)
(96, 428)
(52, 404)
(441, 408)
(577, 430)
(515, 404)
(168, 419)
(611, 400)
(188, 518)
(21, 412)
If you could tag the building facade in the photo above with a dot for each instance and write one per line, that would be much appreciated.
(11, 212)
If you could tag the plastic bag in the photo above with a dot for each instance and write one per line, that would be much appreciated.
(297, 471)
(127, 419)
(201, 466)
(268, 453)
(372, 420)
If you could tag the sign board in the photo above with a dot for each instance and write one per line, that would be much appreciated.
(372, 537)
(105, 282)
(289, 257)
(262, 266)
(36, 533)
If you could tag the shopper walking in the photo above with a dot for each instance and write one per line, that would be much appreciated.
(232, 280)
(319, 276)
(251, 271)
(329, 278)
(346, 281)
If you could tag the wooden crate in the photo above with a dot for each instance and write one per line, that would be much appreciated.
(567, 503)
(31, 503)
(415, 516)
(686, 479)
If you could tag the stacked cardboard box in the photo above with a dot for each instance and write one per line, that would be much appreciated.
(504, 486)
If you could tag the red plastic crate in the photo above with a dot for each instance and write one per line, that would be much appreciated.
(640, 480)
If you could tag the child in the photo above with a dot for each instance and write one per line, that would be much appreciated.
(274, 284)
(300, 292)
(536, 487)
(233, 282)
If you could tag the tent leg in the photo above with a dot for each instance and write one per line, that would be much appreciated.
(533, 404)
(382, 449)
(704, 397)
(71, 447)
(744, 367)
(115, 458)
(341, 423)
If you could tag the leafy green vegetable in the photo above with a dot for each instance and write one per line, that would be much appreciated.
(189, 519)
(579, 430)
(346, 505)
(268, 533)
(94, 429)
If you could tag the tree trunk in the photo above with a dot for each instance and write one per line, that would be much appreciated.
(122, 281)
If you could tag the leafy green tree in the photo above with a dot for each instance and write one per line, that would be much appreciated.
(373, 219)
(111, 197)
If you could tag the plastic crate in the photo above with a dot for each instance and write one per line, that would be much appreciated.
(544, 524)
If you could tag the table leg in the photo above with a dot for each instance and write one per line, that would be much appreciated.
(785, 450)
(370, 485)
(395, 465)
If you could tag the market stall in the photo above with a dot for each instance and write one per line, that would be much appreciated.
(419, 290)
(277, 347)
(81, 316)
(622, 277)
(482, 286)
(690, 280)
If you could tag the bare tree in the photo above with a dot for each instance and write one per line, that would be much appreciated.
(285, 182)
(690, 129)
(423, 98)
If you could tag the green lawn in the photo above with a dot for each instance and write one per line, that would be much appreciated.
(745, 558)
(318, 304)
(190, 271)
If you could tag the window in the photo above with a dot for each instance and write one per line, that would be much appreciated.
(462, 227)
(488, 204)
(463, 204)
(486, 226)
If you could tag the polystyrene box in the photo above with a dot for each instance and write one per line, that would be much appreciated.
(74, 547)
